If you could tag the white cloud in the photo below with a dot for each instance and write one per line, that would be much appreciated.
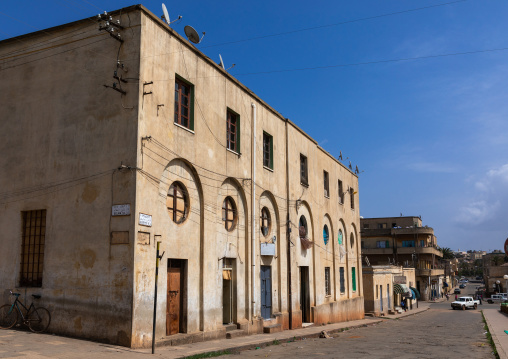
(489, 203)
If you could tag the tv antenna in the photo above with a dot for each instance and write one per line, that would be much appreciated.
(192, 34)
(165, 15)
(221, 64)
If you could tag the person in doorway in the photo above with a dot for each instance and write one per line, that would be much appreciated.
(403, 305)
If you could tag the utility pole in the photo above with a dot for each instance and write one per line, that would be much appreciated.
(157, 258)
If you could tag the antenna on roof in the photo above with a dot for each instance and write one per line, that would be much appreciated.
(221, 64)
(192, 34)
(165, 15)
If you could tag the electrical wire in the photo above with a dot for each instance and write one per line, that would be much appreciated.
(335, 24)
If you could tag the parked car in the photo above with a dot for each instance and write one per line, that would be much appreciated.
(465, 303)
(456, 291)
(462, 286)
(497, 298)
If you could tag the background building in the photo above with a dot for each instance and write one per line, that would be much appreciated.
(115, 140)
(404, 241)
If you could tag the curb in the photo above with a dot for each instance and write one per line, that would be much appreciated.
(497, 343)
(291, 338)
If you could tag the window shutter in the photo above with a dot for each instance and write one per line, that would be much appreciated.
(271, 152)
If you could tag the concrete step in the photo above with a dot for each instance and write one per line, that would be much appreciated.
(273, 328)
(230, 327)
(235, 334)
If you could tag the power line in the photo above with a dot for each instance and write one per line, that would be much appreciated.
(336, 24)
(374, 62)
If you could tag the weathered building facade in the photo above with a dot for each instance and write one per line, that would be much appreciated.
(112, 144)
(404, 241)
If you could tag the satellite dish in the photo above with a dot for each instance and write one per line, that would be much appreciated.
(221, 62)
(166, 15)
(192, 34)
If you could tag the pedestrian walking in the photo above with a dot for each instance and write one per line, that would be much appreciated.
(455, 296)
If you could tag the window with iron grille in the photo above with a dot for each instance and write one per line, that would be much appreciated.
(184, 104)
(177, 202)
(352, 197)
(265, 221)
(342, 280)
(32, 248)
(341, 193)
(326, 184)
(267, 150)
(229, 214)
(233, 131)
(328, 288)
(304, 174)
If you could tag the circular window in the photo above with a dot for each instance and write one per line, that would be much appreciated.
(229, 214)
(266, 221)
(325, 234)
(339, 237)
(177, 202)
(352, 240)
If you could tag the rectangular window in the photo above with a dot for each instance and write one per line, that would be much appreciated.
(32, 248)
(342, 281)
(352, 197)
(326, 184)
(408, 243)
(341, 196)
(381, 225)
(328, 288)
(184, 104)
(267, 150)
(381, 244)
(387, 244)
(394, 225)
(377, 291)
(366, 225)
(233, 131)
(304, 174)
(353, 278)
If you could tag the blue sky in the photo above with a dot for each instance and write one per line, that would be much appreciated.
(430, 134)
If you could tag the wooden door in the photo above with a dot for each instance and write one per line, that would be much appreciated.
(173, 307)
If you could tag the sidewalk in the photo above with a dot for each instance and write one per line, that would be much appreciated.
(498, 323)
(23, 344)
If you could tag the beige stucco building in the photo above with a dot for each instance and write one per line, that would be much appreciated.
(386, 286)
(114, 141)
(404, 241)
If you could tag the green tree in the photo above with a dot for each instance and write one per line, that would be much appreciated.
(447, 253)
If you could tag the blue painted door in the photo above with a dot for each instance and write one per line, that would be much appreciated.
(266, 292)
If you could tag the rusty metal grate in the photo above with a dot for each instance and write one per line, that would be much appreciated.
(32, 247)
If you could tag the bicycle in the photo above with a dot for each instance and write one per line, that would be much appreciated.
(37, 319)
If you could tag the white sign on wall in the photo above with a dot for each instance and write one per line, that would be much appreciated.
(267, 249)
(145, 220)
(121, 210)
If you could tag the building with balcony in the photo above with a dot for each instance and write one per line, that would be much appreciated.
(405, 241)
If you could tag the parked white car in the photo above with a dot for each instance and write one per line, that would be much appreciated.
(464, 303)
(497, 298)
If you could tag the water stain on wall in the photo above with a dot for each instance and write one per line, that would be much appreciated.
(90, 193)
(87, 258)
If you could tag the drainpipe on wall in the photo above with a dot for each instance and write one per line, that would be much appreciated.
(288, 235)
(253, 220)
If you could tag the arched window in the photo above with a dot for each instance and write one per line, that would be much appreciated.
(177, 202)
(266, 221)
(325, 234)
(302, 226)
(352, 240)
(229, 214)
(339, 237)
